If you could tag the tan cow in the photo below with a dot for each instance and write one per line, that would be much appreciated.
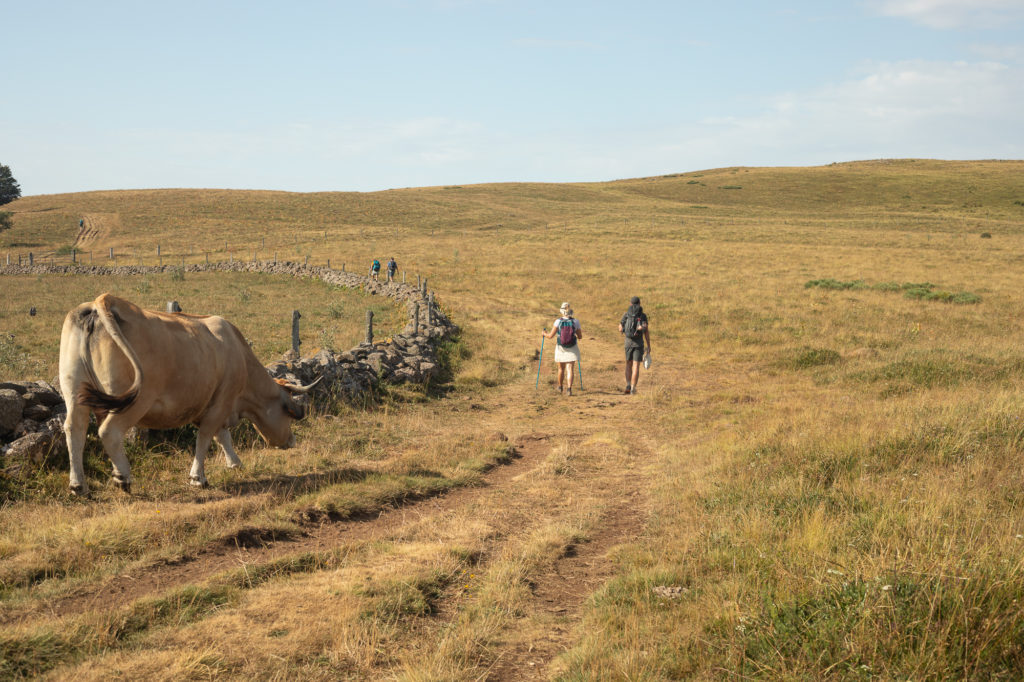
(135, 367)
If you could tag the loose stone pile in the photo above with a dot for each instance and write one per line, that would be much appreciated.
(32, 414)
(31, 422)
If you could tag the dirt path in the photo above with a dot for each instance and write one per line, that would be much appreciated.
(96, 227)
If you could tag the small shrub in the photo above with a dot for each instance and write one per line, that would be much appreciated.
(178, 274)
(65, 250)
(814, 357)
(986, 235)
(731, 187)
(834, 284)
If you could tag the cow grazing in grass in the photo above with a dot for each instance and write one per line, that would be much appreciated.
(135, 367)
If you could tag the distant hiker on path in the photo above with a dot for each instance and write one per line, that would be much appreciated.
(392, 269)
(375, 270)
(633, 326)
(567, 351)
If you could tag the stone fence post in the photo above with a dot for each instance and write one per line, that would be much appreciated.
(369, 326)
(415, 319)
(295, 332)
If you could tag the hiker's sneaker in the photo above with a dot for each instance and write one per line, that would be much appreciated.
(628, 389)
(570, 390)
(633, 390)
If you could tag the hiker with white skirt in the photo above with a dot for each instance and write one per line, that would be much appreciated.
(566, 330)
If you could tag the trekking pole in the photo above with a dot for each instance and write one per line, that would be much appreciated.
(579, 370)
(540, 359)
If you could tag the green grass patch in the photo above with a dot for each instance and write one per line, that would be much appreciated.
(806, 358)
(922, 291)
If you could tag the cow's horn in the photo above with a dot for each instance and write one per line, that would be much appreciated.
(302, 390)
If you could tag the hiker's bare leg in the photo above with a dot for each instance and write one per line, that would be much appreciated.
(561, 375)
(636, 374)
(629, 372)
(568, 373)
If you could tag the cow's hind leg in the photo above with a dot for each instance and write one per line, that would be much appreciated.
(112, 432)
(75, 427)
(223, 438)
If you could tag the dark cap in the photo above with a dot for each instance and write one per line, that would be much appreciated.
(635, 300)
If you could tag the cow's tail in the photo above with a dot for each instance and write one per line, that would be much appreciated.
(92, 396)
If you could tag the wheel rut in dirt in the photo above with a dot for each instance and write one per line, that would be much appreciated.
(559, 593)
(252, 546)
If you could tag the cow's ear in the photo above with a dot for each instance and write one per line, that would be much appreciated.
(294, 410)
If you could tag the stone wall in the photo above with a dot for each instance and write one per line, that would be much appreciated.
(32, 414)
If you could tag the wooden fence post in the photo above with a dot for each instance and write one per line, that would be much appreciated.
(74, 255)
(424, 287)
(110, 253)
(415, 319)
(430, 311)
(295, 332)
(31, 258)
(369, 326)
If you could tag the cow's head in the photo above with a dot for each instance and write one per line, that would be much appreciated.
(275, 422)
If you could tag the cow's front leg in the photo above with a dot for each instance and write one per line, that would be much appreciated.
(223, 438)
(197, 477)
(112, 434)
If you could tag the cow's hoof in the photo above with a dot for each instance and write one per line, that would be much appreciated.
(234, 465)
(79, 490)
(197, 482)
(124, 485)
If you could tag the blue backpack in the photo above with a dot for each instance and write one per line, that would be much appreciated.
(566, 332)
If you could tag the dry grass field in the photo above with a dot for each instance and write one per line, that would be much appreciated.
(819, 478)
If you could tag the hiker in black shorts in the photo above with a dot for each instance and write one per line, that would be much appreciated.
(633, 326)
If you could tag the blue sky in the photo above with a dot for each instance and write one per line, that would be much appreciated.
(361, 96)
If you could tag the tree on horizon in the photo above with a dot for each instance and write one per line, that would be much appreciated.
(9, 188)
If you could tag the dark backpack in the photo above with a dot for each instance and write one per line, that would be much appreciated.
(634, 325)
(566, 332)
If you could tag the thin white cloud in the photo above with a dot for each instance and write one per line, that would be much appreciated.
(999, 53)
(952, 14)
(953, 110)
